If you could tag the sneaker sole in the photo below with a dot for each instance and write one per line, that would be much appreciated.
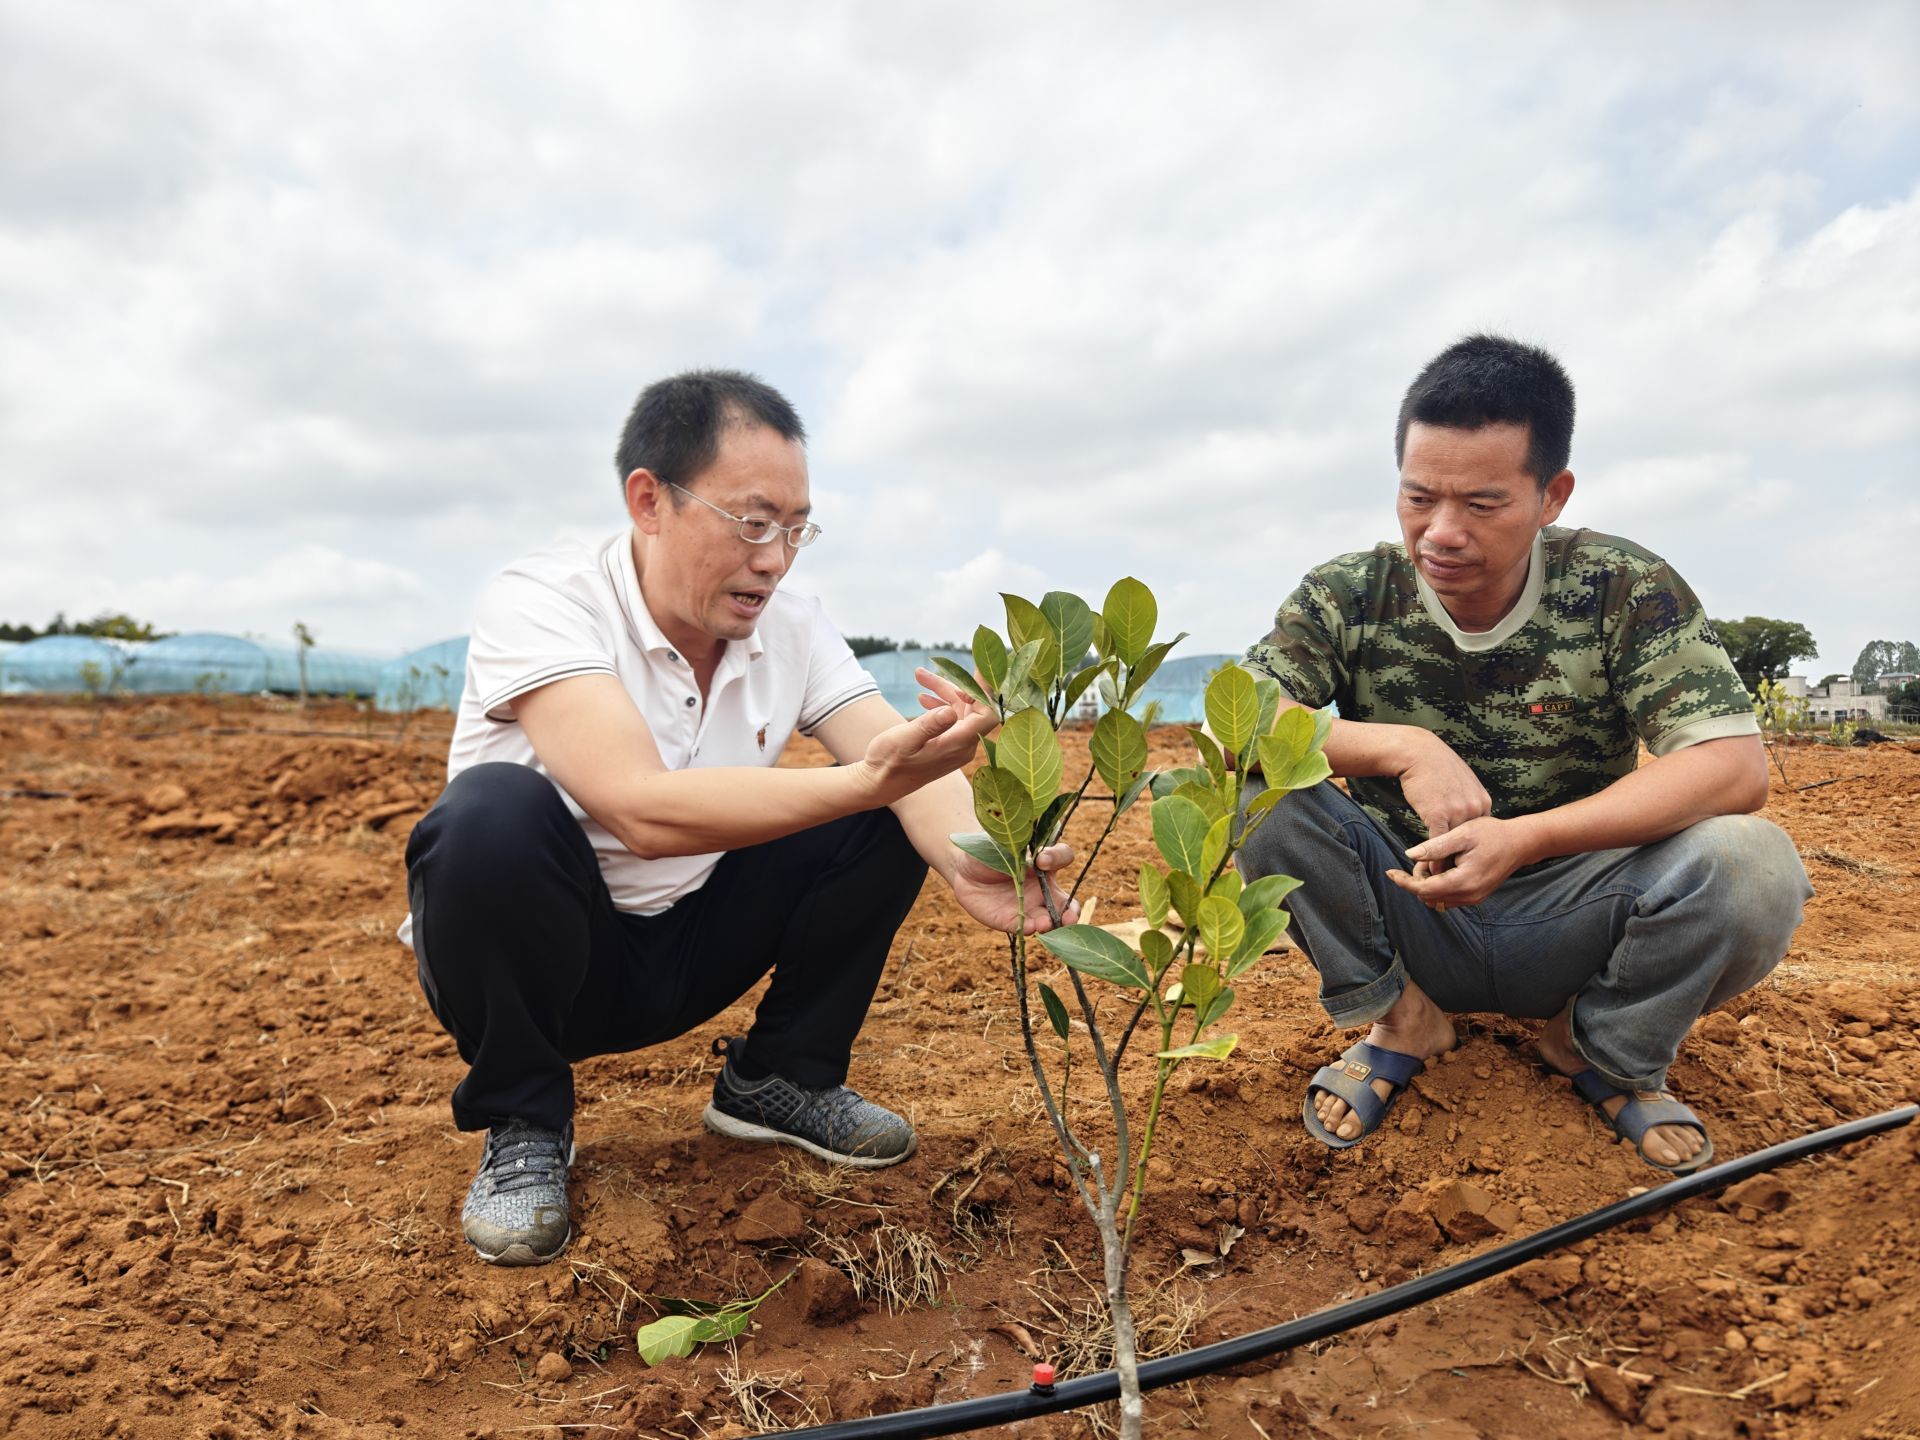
(721, 1123)
(521, 1253)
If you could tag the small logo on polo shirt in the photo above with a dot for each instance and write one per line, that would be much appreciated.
(762, 737)
(1561, 706)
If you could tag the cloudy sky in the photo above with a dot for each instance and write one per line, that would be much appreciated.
(325, 312)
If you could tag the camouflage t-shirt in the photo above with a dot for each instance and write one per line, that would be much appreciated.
(1606, 647)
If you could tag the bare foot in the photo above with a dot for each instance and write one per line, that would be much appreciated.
(1414, 1026)
(1664, 1144)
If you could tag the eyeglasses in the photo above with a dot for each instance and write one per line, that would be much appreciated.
(756, 531)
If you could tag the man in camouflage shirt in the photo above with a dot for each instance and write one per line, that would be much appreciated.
(1495, 675)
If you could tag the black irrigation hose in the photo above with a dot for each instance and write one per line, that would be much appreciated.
(1013, 1405)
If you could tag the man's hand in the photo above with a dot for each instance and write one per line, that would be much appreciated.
(1442, 789)
(1468, 863)
(987, 895)
(904, 757)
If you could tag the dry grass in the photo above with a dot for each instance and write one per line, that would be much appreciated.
(1852, 864)
(822, 1184)
(894, 1264)
(765, 1402)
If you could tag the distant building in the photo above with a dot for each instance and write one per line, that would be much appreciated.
(1841, 699)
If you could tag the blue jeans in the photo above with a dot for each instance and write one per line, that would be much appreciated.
(1641, 941)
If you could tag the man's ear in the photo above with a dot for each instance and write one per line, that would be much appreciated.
(645, 500)
(1558, 489)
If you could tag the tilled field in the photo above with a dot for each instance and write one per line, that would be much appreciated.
(231, 1182)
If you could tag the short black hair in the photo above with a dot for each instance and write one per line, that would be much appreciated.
(676, 424)
(1495, 380)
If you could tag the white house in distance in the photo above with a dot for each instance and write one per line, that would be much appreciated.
(1842, 699)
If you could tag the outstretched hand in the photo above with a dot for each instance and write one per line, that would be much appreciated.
(987, 895)
(903, 757)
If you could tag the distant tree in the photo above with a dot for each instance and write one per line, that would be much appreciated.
(870, 645)
(114, 626)
(58, 625)
(1762, 649)
(1826, 680)
(303, 638)
(1903, 702)
(18, 632)
(1883, 657)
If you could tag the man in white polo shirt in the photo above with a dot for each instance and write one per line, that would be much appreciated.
(615, 859)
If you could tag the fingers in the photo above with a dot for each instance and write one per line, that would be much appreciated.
(1056, 857)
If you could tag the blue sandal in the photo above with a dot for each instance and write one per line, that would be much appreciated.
(1347, 1079)
(1645, 1110)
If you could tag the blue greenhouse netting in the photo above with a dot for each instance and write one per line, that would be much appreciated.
(56, 665)
(892, 671)
(206, 663)
(329, 672)
(430, 678)
(1180, 688)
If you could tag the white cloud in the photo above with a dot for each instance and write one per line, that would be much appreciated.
(1075, 292)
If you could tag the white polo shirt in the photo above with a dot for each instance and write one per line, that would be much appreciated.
(574, 608)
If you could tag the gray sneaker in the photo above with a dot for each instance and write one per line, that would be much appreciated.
(516, 1210)
(834, 1124)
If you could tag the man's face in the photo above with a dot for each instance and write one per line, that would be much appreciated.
(1468, 513)
(700, 577)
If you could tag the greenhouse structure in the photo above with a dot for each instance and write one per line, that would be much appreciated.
(207, 664)
(430, 678)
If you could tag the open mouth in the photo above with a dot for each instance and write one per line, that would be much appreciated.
(750, 601)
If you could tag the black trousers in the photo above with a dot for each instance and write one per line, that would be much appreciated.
(529, 966)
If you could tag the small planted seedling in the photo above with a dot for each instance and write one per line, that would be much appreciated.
(688, 1323)
(1176, 979)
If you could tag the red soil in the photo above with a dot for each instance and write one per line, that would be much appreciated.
(231, 1183)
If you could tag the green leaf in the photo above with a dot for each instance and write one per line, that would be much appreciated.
(1138, 675)
(1030, 752)
(1019, 668)
(990, 658)
(1268, 689)
(1203, 796)
(1130, 614)
(1071, 623)
(1212, 1010)
(1109, 691)
(1157, 950)
(723, 1325)
(1233, 708)
(1153, 894)
(1093, 951)
(1214, 849)
(1102, 641)
(1125, 802)
(1165, 782)
(1184, 891)
(1261, 803)
(1322, 727)
(959, 676)
(1004, 807)
(1221, 926)
(1288, 760)
(1198, 985)
(1053, 819)
(1302, 774)
(1180, 831)
(1227, 885)
(1215, 762)
(1268, 890)
(1263, 928)
(983, 848)
(1056, 1010)
(1293, 731)
(668, 1338)
(1025, 624)
(1077, 686)
(1119, 748)
(1218, 1048)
